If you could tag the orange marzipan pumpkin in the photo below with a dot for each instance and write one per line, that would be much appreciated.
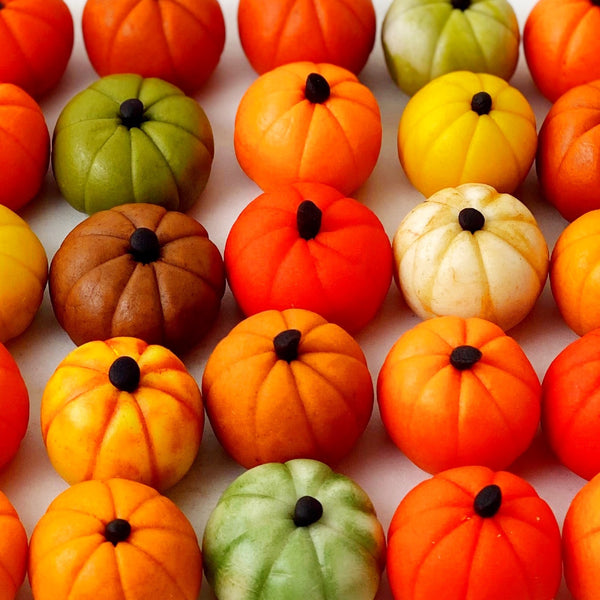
(308, 121)
(287, 384)
(13, 550)
(455, 392)
(471, 532)
(114, 539)
(283, 31)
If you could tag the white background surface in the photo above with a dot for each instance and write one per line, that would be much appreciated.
(30, 481)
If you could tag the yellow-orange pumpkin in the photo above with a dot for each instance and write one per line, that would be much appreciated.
(122, 408)
(114, 539)
(284, 385)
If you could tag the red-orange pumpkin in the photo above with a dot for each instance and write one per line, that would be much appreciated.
(308, 121)
(455, 392)
(471, 532)
(308, 246)
(277, 32)
(284, 385)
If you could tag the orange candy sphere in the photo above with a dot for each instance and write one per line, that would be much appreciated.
(571, 403)
(568, 168)
(471, 532)
(36, 37)
(278, 32)
(454, 392)
(284, 385)
(561, 45)
(24, 146)
(13, 550)
(180, 42)
(574, 267)
(308, 122)
(308, 246)
(114, 539)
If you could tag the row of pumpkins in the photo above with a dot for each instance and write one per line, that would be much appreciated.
(95, 526)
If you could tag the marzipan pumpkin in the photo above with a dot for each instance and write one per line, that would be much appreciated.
(180, 42)
(24, 146)
(126, 139)
(423, 39)
(573, 265)
(278, 32)
(138, 270)
(122, 408)
(287, 384)
(14, 408)
(472, 252)
(568, 172)
(114, 539)
(23, 274)
(455, 392)
(36, 37)
(308, 246)
(561, 44)
(13, 550)
(581, 542)
(293, 531)
(308, 121)
(570, 403)
(472, 532)
(466, 127)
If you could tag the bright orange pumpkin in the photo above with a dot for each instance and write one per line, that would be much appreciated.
(571, 403)
(308, 246)
(567, 160)
(561, 44)
(574, 262)
(277, 32)
(13, 550)
(178, 41)
(308, 121)
(114, 539)
(24, 146)
(36, 37)
(122, 408)
(581, 542)
(284, 385)
(454, 392)
(471, 532)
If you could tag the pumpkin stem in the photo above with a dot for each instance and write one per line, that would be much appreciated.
(308, 510)
(464, 357)
(308, 219)
(124, 374)
(118, 530)
(286, 344)
(461, 4)
(481, 103)
(144, 245)
(131, 113)
(470, 219)
(488, 500)
(317, 89)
